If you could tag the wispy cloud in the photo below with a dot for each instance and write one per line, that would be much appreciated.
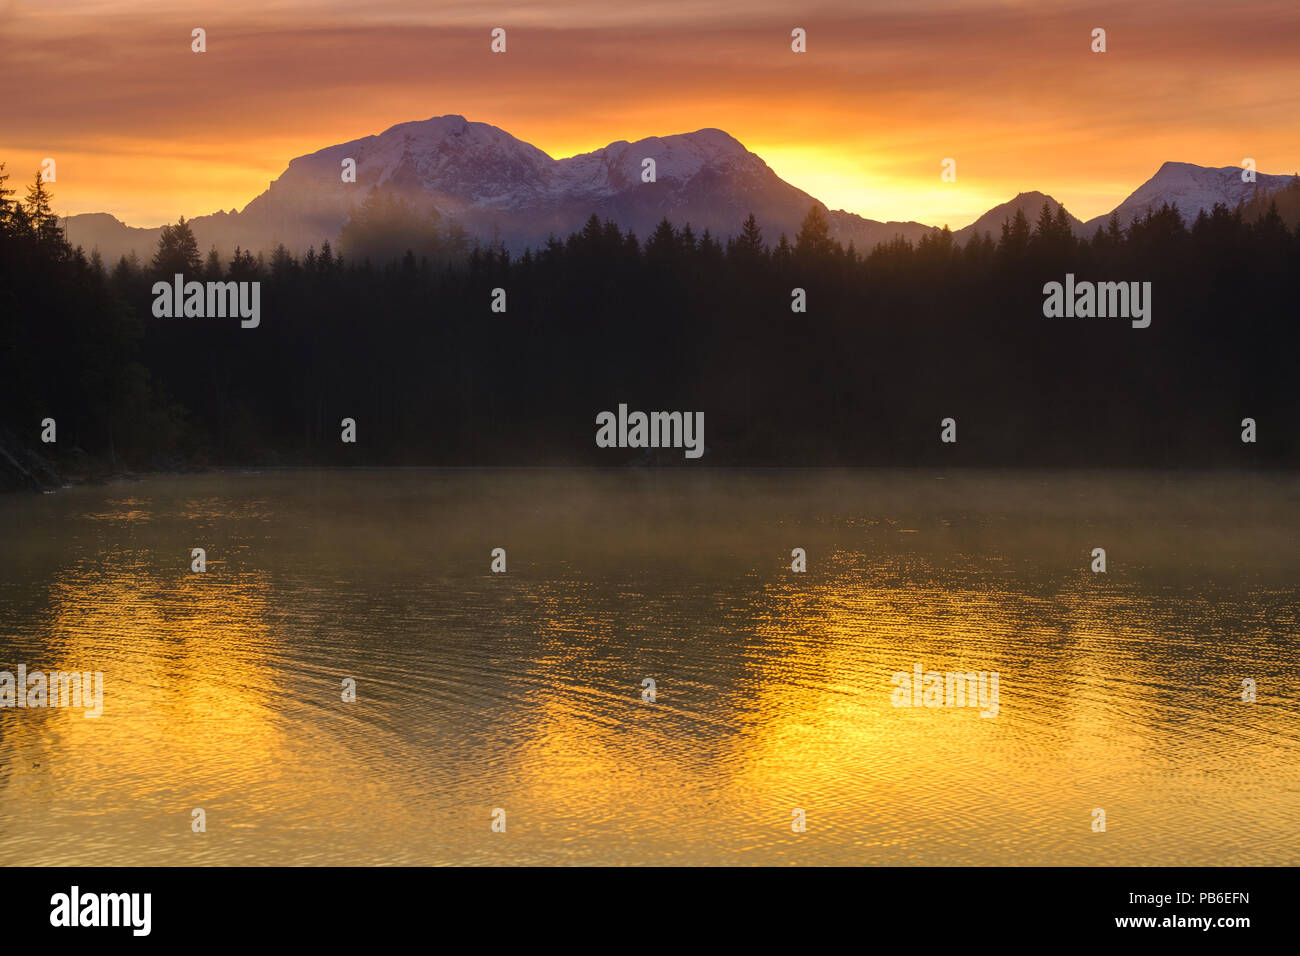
(862, 120)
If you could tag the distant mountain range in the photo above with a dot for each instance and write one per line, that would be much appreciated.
(1189, 189)
(499, 187)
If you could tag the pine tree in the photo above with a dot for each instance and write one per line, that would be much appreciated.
(1114, 231)
(814, 238)
(1044, 228)
(710, 250)
(783, 252)
(664, 243)
(178, 251)
(1015, 235)
(212, 265)
(1062, 228)
(41, 220)
(5, 203)
(749, 244)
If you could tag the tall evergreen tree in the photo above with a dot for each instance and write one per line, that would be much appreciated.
(814, 237)
(212, 265)
(178, 251)
(5, 204)
(749, 244)
(1015, 235)
(40, 218)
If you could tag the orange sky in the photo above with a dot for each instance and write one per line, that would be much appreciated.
(147, 130)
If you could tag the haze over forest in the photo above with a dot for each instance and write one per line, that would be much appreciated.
(886, 345)
(457, 175)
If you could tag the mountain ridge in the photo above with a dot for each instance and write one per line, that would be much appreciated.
(1030, 203)
(498, 187)
(1189, 189)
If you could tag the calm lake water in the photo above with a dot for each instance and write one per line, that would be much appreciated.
(522, 691)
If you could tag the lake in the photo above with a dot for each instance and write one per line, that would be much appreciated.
(523, 691)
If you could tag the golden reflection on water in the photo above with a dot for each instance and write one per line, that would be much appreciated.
(524, 691)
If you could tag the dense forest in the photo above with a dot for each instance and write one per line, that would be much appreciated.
(893, 340)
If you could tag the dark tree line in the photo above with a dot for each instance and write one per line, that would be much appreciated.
(892, 342)
(70, 348)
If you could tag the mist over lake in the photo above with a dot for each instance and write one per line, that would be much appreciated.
(523, 690)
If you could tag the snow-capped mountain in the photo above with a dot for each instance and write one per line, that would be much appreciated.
(1189, 189)
(497, 186)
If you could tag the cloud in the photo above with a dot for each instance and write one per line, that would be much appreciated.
(885, 92)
